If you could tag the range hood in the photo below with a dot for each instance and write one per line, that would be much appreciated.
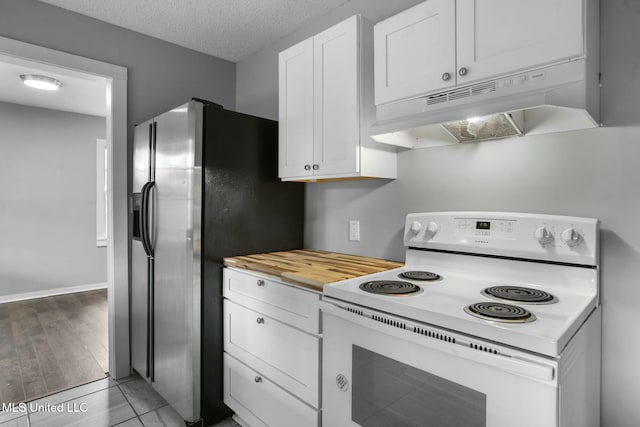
(556, 98)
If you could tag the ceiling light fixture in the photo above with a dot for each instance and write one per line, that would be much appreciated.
(40, 82)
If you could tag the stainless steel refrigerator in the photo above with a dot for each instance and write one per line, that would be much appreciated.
(205, 187)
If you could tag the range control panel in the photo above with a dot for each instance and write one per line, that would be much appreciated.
(531, 236)
(498, 228)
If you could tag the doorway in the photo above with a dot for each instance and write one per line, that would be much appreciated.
(117, 214)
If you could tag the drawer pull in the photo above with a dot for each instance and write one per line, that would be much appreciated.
(258, 379)
(260, 320)
(260, 282)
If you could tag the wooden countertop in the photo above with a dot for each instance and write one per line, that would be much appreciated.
(310, 268)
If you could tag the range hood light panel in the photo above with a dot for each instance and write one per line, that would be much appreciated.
(480, 128)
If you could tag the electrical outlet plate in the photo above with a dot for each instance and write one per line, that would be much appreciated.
(354, 231)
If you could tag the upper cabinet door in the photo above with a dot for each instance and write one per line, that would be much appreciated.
(296, 110)
(501, 36)
(336, 99)
(415, 51)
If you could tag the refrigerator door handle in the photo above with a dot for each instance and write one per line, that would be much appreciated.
(151, 217)
(144, 218)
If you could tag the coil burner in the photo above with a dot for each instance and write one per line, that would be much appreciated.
(420, 275)
(389, 287)
(500, 312)
(519, 294)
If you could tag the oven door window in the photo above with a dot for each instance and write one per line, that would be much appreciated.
(386, 392)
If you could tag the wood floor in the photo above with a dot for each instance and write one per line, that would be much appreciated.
(51, 344)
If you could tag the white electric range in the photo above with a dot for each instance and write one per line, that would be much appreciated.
(493, 321)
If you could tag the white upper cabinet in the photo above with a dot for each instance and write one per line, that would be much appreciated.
(326, 107)
(335, 96)
(498, 36)
(296, 108)
(415, 51)
(439, 44)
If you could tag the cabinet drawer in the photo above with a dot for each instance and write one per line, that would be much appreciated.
(260, 402)
(284, 354)
(296, 306)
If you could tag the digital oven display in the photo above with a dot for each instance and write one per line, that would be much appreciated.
(483, 225)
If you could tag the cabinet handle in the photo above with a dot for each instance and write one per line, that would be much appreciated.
(261, 282)
(316, 167)
(260, 320)
(307, 167)
(446, 76)
(258, 379)
(463, 71)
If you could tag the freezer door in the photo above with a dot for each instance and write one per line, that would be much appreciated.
(140, 264)
(177, 289)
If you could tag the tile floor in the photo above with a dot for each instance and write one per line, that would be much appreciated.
(129, 402)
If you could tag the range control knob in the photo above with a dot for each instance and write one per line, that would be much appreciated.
(571, 237)
(415, 227)
(432, 228)
(543, 235)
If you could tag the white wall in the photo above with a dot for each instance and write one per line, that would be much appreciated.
(592, 173)
(48, 200)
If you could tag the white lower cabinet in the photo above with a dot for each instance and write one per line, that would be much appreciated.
(261, 402)
(272, 351)
(287, 303)
(283, 353)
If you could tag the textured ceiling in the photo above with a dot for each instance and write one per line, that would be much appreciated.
(228, 29)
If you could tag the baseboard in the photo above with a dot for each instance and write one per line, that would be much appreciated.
(52, 292)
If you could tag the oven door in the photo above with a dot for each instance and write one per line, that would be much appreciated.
(380, 370)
